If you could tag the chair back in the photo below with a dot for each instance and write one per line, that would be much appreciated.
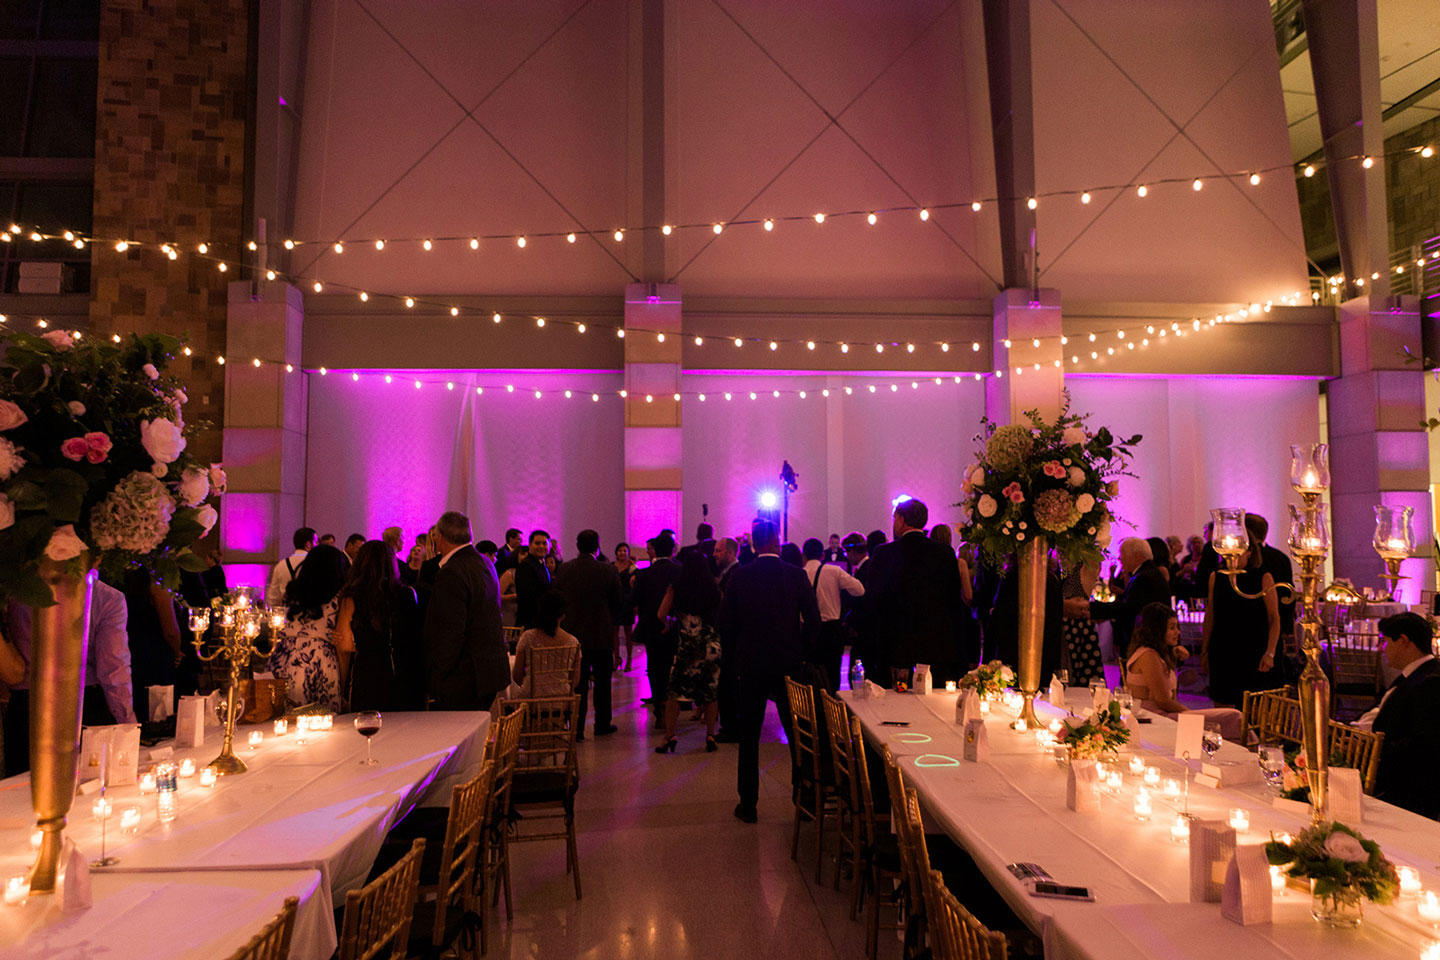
(273, 940)
(504, 749)
(550, 669)
(1359, 749)
(1356, 655)
(468, 805)
(545, 739)
(955, 934)
(861, 775)
(805, 727)
(378, 915)
(512, 636)
(1259, 710)
(842, 749)
(900, 822)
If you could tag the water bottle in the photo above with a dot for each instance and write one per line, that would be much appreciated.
(857, 675)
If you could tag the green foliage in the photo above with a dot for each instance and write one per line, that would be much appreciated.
(1307, 856)
(1104, 731)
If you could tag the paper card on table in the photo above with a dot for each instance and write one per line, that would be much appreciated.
(1057, 693)
(157, 754)
(190, 722)
(1248, 898)
(87, 787)
(1190, 730)
(1205, 780)
(977, 741)
(1231, 773)
(160, 700)
(110, 754)
(74, 879)
(1212, 844)
(1345, 795)
(967, 707)
(1082, 792)
(873, 689)
(1100, 698)
(921, 682)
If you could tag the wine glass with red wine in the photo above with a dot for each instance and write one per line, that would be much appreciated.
(367, 724)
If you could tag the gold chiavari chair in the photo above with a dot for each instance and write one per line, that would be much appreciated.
(446, 899)
(512, 636)
(881, 850)
(806, 730)
(954, 933)
(494, 872)
(1359, 749)
(273, 940)
(379, 915)
(847, 793)
(549, 669)
(912, 898)
(546, 775)
(1272, 715)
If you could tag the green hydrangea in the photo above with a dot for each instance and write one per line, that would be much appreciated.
(1008, 447)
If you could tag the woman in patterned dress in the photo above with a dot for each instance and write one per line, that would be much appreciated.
(304, 656)
(1082, 643)
(694, 603)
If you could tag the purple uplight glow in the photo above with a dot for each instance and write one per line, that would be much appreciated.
(283, 101)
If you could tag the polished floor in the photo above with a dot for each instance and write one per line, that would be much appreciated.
(667, 871)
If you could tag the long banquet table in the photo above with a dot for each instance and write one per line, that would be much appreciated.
(303, 820)
(1012, 808)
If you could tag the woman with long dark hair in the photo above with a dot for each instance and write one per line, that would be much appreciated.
(1242, 629)
(694, 603)
(304, 655)
(626, 566)
(377, 635)
(1154, 656)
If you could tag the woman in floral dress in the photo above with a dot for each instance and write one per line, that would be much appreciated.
(304, 656)
(694, 603)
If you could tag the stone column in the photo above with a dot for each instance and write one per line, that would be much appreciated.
(652, 414)
(1379, 453)
(1021, 319)
(265, 428)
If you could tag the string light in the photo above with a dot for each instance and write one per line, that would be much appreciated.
(819, 218)
(1085, 197)
(924, 214)
(1309, 170)
(619, 236)
(1197, 185)
(569, 238)
(1032, 203)
(475, 242)
(717, 228)
(769, 225)
(1142, 190)
(1367, 162)
(379, 244)
(872, 219)
(976, 206)
(1254, 179)
(520, 242)
(428, 246)
(666, 229)
(339, 247)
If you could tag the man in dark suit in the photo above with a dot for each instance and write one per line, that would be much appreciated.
(532, 580)
(916, 606)
(1144, 584)
(592, 613)
(508, 554)
(465, 662)
(660, 642)
(1409, 716)
(769, 625)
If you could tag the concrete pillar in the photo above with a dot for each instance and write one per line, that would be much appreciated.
(1022, 320)
(1379, 453)
(265, 428)
(652, 414)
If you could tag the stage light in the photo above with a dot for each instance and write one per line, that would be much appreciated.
(768, 500)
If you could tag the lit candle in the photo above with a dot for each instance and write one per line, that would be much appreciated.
(1043, 739)
(1429, 906)
(1277, 882)
(1409, 883)
(1020, 726)
(1284, 838)
(984, 706)
(1055, 727)
(37, 837)
(1431, 951)
(256, 737)
(1171, 788)
(1113, 781)
(208, 777)
(1152, 776)
(17, 891)
(1180, 829)
(101, 809)
(1137, 766)
(1310, 483)
(146, 784)
(130, 819)
(187, 767)
(1239, 819)
(1142, 805)
(949, 686)
(277, 621)
(326, 722)
(280, 727)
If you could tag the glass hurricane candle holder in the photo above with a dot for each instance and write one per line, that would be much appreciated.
(1152, 776)
(187, 767)
(1394, 537)
(101, 809)
(1428, 906)
(1277, 881)
(1310, 468)
(1230, 539)
(146, 784)
(208, 777)
(949, 686)
(256, 738)
(1409, 883)
(1309, 532)
(1239, 819)
(1180, 829)
(1171, 788)
(281, 726)
(1142, 805)
(1137, 766)
(130, 820)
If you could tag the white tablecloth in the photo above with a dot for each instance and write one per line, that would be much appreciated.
(297, 808)
(1012, 808)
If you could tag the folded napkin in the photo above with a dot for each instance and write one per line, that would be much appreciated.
(1345, 795)
(1057, 693)
(190, 721)
(74, 887)
(1248, 898)
(1082, 791)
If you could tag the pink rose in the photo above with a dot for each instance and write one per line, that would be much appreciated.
(1013, 492)
(11, 416)
(75, 449)
(150, 371)
(97, 446)
(217, 479)
(1053, 469)
(59, 339)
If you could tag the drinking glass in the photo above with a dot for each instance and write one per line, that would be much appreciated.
(367, 724)
(1126, 699)
(1272, 765)
(1211, 740)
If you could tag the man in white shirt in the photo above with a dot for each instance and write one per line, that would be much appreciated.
(1409, 716)
(827, 580)
(284, 571)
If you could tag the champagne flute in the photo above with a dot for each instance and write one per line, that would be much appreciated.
(367, 724)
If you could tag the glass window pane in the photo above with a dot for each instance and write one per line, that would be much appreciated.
(62, 116)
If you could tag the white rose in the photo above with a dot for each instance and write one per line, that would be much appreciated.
(194, 487)
(64, 545)
(10, 460)
(162, 439)
(1102, 536)
(1076, 478)
(1342, 846)
(7, 512)
(986, 505)
(207, 516)
(158, 470)
(150, 371)
(1073, 436)
(59, 339)
(76, 408)
(11, 416)
(977, 476)
(1084, 503)
(180, 396)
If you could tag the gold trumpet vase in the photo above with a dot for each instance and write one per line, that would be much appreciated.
(59, 635)
(1034, 559)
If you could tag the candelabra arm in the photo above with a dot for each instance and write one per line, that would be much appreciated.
(1232, 574)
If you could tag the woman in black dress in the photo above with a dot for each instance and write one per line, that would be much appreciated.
(626, 566)
(1241, 634)
(694, 603)
(377, 635)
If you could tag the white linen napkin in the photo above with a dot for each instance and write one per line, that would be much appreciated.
(1082, 791)
(190, 721)
(74, 892)
(1212, 844)
(161, 697)
(1248, 898)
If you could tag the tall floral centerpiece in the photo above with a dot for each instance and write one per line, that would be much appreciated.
(1034, 486)
(93, 475)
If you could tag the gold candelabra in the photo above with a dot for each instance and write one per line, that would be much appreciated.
(240, 623)
(1394, 541)
(1232, 542)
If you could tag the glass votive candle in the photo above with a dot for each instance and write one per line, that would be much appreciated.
(326, 722)
(1409, 883)
(256, 738)
(1431, 950)
(208, 776)
(1284, 838)
(1142, 805)
(984, 706)
(949, 686)
(1277, 881)
(17, 891)
(101, 809)
(1239, 819)
(146, 784)
(1021, 726)
(1137, 766)
(1152, 776)
(1428, 905)
(1171, 788)
(1056, 726)
(165, 805)
(1180, 829)
(281, 726)
(187, 767)
(130, 819)
(1043, 738)
(1113, 781)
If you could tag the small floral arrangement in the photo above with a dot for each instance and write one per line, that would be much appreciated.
(1102, 732)
(1338, 860)
(1052, 479)
(1295, 780)
(93, 464)
(988, 679)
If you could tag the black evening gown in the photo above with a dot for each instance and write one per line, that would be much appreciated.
(1239, 630)
(386, 672)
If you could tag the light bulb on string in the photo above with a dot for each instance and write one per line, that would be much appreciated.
(975, 346)
(1007, 344)
(202, 248)
(1254, 179)
(569, 238)
(909, 348)
(1142, 190)
(121, 246)
(844, 348)
(580, 327)
(699, 341)
(924, 214)
(944, 348)
(659, 338)
(774, 345)
(223, 267)
(269, 274)
(619, 236)
(410, 302)
(454, 311)
(1367, 162)
(364, 297)
(769, 225)
(819, 218)
(1309, 170)
(379, 244)
(318, 286)
(520, 242)
(338, 248)
(809, 344)
(539, 321)
(666, 229)
(1427, 152)
(872, 219)
(1035, 342)
(717, 228)
(1197, 185)
(427, 246)
(474, 243)
(495, 317)
(1032, 203)
(976, 206)
(1085, 197)
(738, 341)
(289, 244)
(251, 246)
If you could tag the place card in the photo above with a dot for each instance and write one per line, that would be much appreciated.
(74, 880)
(1190, 730)
(1212, 845)
(977, 741)
(1345, 792)
(1249, 895)
(922, 682)
(110, 754)
(1057, 693)
(157, 754)
(874, 690)
(967, 707)
(1082, 790)
(1230, 773)
(190, 722)
(1100, 698)
(160, 699)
